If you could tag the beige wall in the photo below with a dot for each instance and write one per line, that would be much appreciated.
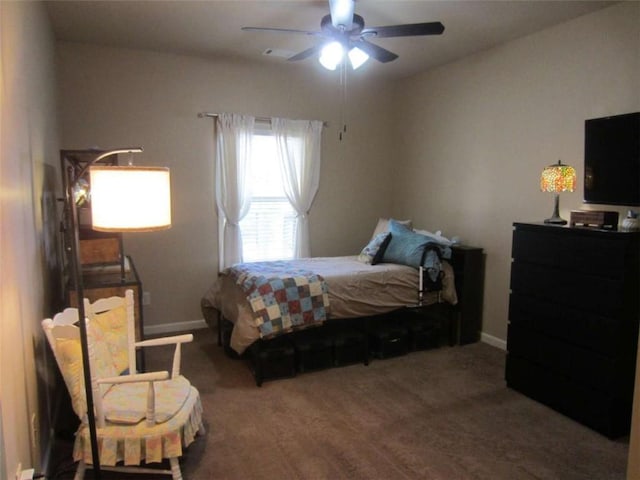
(475, 134)
(469, 143)
(116, 97)
(517, 107)
(28, 227)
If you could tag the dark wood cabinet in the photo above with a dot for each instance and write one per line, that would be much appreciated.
(107, 281)
(468, 268)
(573, 322)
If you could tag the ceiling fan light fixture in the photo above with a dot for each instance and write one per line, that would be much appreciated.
(331, 55)
(357, 57)
(343, 33)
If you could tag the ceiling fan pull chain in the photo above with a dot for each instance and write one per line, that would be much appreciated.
(343, 98)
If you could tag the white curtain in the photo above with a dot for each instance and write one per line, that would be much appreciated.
(233, 196)
(298, 143)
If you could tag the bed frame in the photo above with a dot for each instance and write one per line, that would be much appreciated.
(341, 342)
(284, 356)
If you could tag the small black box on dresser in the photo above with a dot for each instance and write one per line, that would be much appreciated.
(574, 315)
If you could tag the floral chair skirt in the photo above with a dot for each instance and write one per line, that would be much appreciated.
(133, 444)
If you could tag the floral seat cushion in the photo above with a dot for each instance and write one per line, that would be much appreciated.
(127, 403)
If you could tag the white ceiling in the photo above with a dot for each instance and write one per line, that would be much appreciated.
(212, 28)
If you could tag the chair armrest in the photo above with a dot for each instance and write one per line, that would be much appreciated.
(176, 340)
(136, 377)
(153, 342)
(151, 394)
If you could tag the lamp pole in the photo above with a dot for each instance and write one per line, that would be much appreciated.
(79, 287)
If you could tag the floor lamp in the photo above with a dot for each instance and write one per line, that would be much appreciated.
(123, 199)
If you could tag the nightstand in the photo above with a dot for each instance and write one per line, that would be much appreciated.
(468, 268)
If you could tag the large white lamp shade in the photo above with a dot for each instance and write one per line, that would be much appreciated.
(130, 198)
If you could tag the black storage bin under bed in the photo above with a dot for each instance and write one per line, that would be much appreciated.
(273, 358)
(424, 330)
(350, 345)
(388, 337)
(314, 349)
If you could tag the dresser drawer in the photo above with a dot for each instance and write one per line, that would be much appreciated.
(581, 365)
(600, 333)
(583, 254)
(606, 413)
(567, 288)
(539, 349)
(535, 381)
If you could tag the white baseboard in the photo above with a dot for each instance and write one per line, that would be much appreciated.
(493, 341)
(198, 324)
(174, 327)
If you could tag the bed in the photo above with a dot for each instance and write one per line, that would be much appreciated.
(377, 281)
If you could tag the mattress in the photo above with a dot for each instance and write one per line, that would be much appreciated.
(355, 289)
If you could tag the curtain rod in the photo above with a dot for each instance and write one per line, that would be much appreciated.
(260, 119)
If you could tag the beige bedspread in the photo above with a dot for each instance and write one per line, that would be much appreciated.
(356, 289)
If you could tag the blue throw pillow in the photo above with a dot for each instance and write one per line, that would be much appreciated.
(372, 253)
(405, 247)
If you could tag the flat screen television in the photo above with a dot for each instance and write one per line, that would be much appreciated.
(612, 160)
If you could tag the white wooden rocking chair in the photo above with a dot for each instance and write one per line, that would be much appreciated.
(140, 417)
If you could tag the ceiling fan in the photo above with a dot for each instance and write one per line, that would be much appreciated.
(344, 31)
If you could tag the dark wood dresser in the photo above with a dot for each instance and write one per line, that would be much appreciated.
(573, 322)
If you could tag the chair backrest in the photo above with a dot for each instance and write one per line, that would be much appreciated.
(111, 331)
(111, 337)
(63, 336)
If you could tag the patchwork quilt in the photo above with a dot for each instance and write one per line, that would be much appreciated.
(281, 298)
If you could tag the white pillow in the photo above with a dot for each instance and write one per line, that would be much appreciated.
(383, 225)
(437, 237)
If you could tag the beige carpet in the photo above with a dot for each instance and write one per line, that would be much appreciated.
(442, 414)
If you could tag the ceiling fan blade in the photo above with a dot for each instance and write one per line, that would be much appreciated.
(281, 30)
(374, 51)
(406, 30)
(305, 53)
(342, 13)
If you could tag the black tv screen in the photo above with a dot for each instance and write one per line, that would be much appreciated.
(612, 160)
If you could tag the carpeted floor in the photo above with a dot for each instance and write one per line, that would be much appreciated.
(443, 414)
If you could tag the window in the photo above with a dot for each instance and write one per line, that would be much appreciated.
(269, 228)
(272, 230)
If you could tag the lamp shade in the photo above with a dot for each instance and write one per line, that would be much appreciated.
(357, 57)
(128, 198)
(558, 178)
(331, 55)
